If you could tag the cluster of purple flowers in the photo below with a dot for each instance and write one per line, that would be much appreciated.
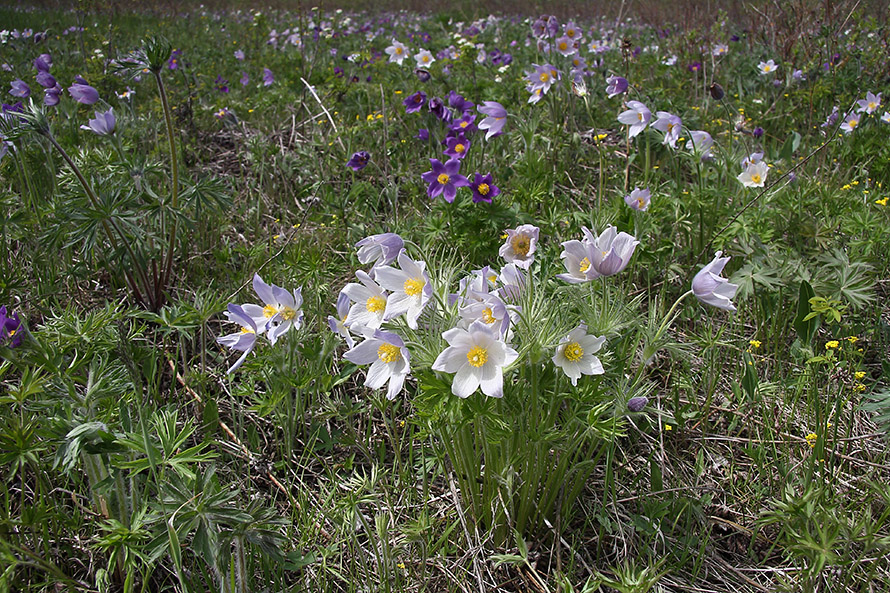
(80, 91)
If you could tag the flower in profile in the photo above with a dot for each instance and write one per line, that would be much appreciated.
(43, 63)
(369, 302)
(757, 132)
(53, 96)
(457, 146)
(575, 354)
(767, 67)
(103, 124)
(19, 89)
(637, 117)
(520, 245)
(576, 259)
(710, 288)
(414, 102)
(268, 77)
(700, 142)
(495, 118)
(382, 249)
(458, 102)
(437, 108)
(11, 333)
(444, 179)
(424, 58)
(870, 103)
(611, 251)
(512, 283)
(616, 85)
(243, 340)
(359, 160)
(798, 76)
(83, 93)
(389, 359)
(886, 117)
(46, 80)
(280, 313)
(476, 357)
(422, 134)
(638, 199)
(410, 289)
(754, 174)
(671, 125)
(338, 323)
(483, 188)
(397, 52)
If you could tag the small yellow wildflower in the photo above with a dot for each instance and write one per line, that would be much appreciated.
(852, 339)
(859, 374)
(881, 202)
(832, 344)
(668, 428)
(811, 439)
(858, 387)
(754, 343)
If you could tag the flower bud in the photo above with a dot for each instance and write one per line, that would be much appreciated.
(716, 91)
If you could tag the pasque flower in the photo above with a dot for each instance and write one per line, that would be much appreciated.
(476, 357)
(754, 174)
(397, 52)
(369, 302)
(637, 117)
(103, 124)
(410, 289)
(280, 313)
(576, 258)
(496, 117)
(709, 287)
(457, 146)
(483, 188)
(243, 340)
(611, 251)
(671, 125)
(10, 329)
(575, 354)
(870, 103)
(382, 249)
(520, 245)
(359, 160)
(444, 179)
(83, 93)
(638, 199)
(414, 102)
(338, 323)
(767, 67)
(389, 359)
(850, 123)
(20, 89)
(616, 85)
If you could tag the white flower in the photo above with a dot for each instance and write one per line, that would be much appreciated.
(520, 245)
(477, 358)
(410, 286)
(671, 125)
(281, 311)
(489, 309)
(369, 302)
(638, 199)
(637, 117)
(389, 360)
(575, 355)
(710, 288)
(424, 58)
(576, 258)
(397, 52)
(767, 67)
(243, 340)
(850, 123)
(754, 175)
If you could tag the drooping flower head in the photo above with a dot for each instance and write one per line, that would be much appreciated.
(444, 179)
(389, 359)
(520, 245)
(359, 160)
(616, 85)
(476, 357)
(710, 288)
(103, 124)
(700, 142)
(382, 249)
(496, 117)
(575, 354)
(243, 340)
(83, 93)
(268, 77)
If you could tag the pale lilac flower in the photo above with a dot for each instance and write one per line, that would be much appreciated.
(19, 89)
(496, 117)
(410, 289)
(424, 58)
(616, 85)
(576, 259)
(700, 142)
(281, 311)
(243, 340)
(710, 288)
(671, 125)
(369, 302)
(870, 103)
(520, 245)
(850, 123)
(488, 308)
(798, 76)
(268, 77)
(473, 287)
(103, 124)
(565, 46)
(638, 199)
(720, 49)
(575, 354)
(397, 52)
(83, 93)
(754, 157)
(767, 67)
(670, 60)
(382, 249)
(637, 117)
(389, 359)
(477, 359)
(611, 251)
(886, 117)
(239, 55)
(512, 283)
(338, 323)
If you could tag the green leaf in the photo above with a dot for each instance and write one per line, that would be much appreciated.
(750, 379)
(805, 323)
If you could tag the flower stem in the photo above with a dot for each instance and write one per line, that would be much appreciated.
(174, 194)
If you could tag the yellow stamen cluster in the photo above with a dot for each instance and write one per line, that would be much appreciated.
(269, 311)
(477, 356)
(459, 148)
(443, 178)
(584, 265)
(483, 189)
(389, 353)
(755, 178)
(488, 316)
(414, 286)
(811, 439)
(375, 304)
(287, 313)
(573, 352)
(521, 245)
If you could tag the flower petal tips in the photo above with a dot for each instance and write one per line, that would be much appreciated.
(710, 288)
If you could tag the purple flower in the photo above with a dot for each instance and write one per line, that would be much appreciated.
(52, 96)
(43, 62)
(495, 120)
(444, 179)
(382, 249)
(46, 80)
(437, 108)
(758, 132)
(173, 62)
(457, 146)
(20, 89)
(222, 84)
(710, 288)
(414, 102)
(636, 404)
(245, 79)
(483, 188)
(423, 134)
(239, 55)
(638, 199)
(694, 67)
(465, 124)
(611, 251)
(616, 85)
(268, 78)
(103, 124)
(338, 323)
(83, 93)
(459, 103)
(10, 328)
(359, 160)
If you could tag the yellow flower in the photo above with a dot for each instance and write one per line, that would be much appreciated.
(859, 374)
(832, 344)
(881, 202)
(754, 343)
(859, 387)
(811, 439)
(852, 339)
(668, 428)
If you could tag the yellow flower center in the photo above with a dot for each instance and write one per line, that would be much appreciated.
(389, 353)
(426, 59)
(573, 352)
(570, 33)
(244, 330)
(640, 116)
(640, 203)
(584, 265)
(414, 286)
(488, 316)
(464, 124)
(399, 50)
(544, 77)
(483, 189)
(458, 148)
(854, 123)
(443, 178)
(269, 311)
(492, 278)
(287, 313)
(872, 106)
(521, 245)
(375, 304)
(755, 178)
(563, 45)
(477, 356)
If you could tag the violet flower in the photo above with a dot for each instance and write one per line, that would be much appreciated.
(359, 160)
(616, 85)
(103, 124)
(496, 117)
(10, 329)
(46, 80)
(382, 249)
(710, 288)
(483, 188)
(52, 96)
(20, 89)
(457, 146)
(444, 179)
(83, 93)
(638, 199)
(268, 77)
(414, 102)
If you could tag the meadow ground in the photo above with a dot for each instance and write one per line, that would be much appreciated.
(315, 299)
